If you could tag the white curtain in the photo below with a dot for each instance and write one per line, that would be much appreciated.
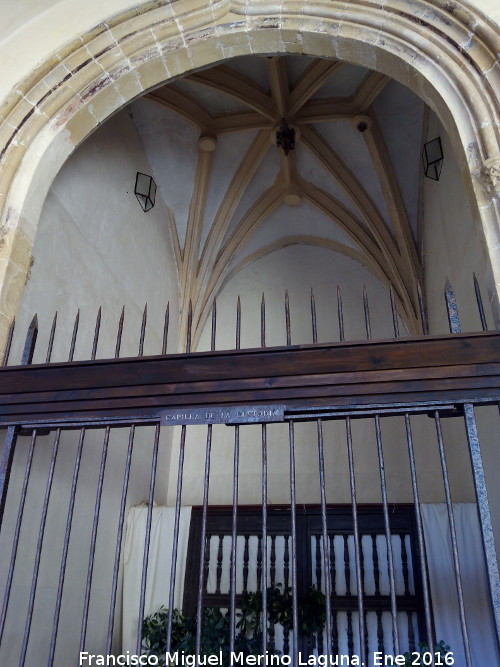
(159, 564)
(474, 582)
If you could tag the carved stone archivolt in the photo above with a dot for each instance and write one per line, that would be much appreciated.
(492, 169)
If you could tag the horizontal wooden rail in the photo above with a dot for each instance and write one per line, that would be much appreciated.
(433, 370)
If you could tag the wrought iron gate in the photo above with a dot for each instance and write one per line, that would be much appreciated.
(370, 382)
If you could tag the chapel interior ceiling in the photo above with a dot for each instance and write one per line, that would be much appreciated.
(350, 185)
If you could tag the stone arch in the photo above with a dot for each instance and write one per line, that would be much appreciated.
(446, 53)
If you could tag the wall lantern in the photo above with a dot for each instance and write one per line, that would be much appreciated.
(433, 158)
(145, 191)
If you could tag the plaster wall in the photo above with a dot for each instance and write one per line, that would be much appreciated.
(453, 241)
(94, 247)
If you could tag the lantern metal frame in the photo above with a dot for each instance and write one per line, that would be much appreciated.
(145, 191)
(432, 156)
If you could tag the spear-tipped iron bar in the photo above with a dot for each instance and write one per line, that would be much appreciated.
(423, 310)
(51, 339)
(263, 321)
(366, 309)
(454, 544)
(357, 543)
(394, 311)
(340, 312)
(74, 335)
(234, 519)
(313, 318)
(451, 306)
(143, 330)
(9, 343)
(119, 334)
(189, 327)
(480, 306)
(96, 333)
(420, 537)
(206, 485)
(64, 558)
(165, 329)
(38, 551)
(147, 538)
(287, 320)
(17, 531)
(29, 345)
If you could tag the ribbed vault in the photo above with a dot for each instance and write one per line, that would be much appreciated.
(348, 170)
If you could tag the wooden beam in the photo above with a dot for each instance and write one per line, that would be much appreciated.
(422, 372)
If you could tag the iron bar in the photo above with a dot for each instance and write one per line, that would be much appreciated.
(387, 527)
(38, 551)
(340, 313)
(326, 544)
(189, 327)
(313, 318)
(93, 539)
(420, 538)
(96, 333)
(452, 309)
(287, 320)
(366, 310)
(51, 339)
(263, 321)
(295, 624)
(64, 558)
(264, 539)
(17, 531)
(121, 518)
(175, 539)
(480, 307)
(165, 329)
(394, 311)
(73, 337)
(8, 345)
(147, 538)
(453, 535)
(357, 543)
(484, 515)
(29, 345)
(119, 539)
(143, 330)
(178, 498)
(232, 585)
(206, 481)
(119, 333)
(264, 488)
(423, 310)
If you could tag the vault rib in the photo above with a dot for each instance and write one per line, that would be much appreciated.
(310, 81)
(236, 85)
